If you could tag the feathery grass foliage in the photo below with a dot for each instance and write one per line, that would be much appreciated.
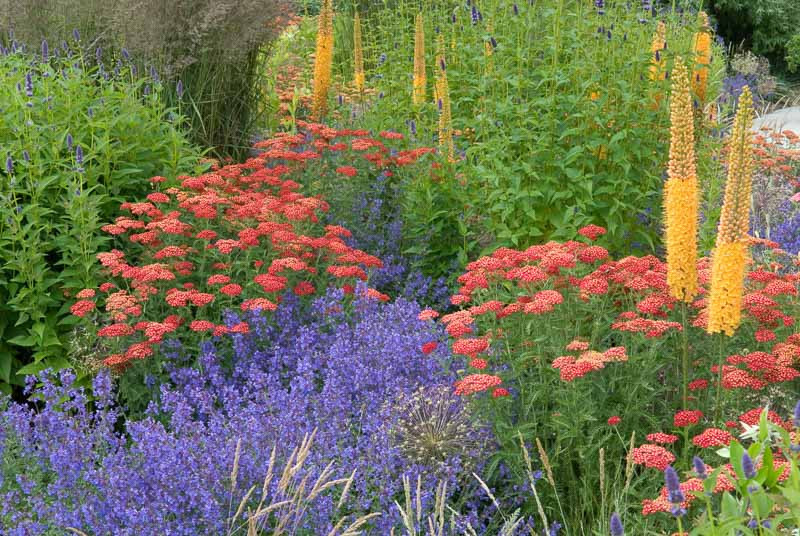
(211, 46)
(560, 131)
(73, 144)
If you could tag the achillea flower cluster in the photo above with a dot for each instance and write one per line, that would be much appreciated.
(712, 437)
(420, 77)
(687, 417)
(702, 50)
(654, 456)
(681, 195)
(358, 55)
(730, 253)
(323, 60)
(476, 383)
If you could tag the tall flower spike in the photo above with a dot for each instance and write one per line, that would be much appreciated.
(323, 60)
(443, 102)
(658, 62)
(419, 61)
(358, 55)
(702, 50)
(681, 197)
(488, 49)
(730, 253)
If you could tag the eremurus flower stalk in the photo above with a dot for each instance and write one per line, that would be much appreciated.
(702, 50)
(681, 199)
(358, 55)
(730, 254)
(323, 60)
(419, 62)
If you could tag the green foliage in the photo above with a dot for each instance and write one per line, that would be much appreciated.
(793, 54)
(765, 26)
(211, 45)
(577, 338)
(766, 503)
(52, 204)
(560, 126)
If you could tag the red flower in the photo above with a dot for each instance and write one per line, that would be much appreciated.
(614, 420)
(592, 232)
(479, 364)
(712, 437)
(654, 456)
(231, 289)
(427, 314)
(201, 325)
(304, 288)
(697, 385)
(429, 347)
(470, 347)
(349, 171)
(687, 417)
(662, 438)
(81, 308)
(499, 392)
(476, 383)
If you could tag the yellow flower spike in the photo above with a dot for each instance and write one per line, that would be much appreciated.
(446, 146)
(730, 253)
(358, 55)
(702, 50)
(419, 62)
(681, 193)
(323, 60)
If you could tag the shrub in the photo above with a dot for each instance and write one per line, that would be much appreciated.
(76, 140)
(346, 370)
(549, 328)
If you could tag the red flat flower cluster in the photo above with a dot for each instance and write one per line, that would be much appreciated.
(249, 223)
(654, 456)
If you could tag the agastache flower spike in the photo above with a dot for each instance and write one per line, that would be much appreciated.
(29, 85)
(98, 55)
(126, 54)
(9, 165)
(79, 155)
(747, 466)
(45, 51)
(69, 141)
(699, 467)
(76, 35)
(673, 483)
(179, 89)
(616, 525)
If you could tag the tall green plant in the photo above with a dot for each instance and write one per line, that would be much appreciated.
(74, 143)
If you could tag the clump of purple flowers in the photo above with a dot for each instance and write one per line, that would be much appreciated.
(71, 462)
